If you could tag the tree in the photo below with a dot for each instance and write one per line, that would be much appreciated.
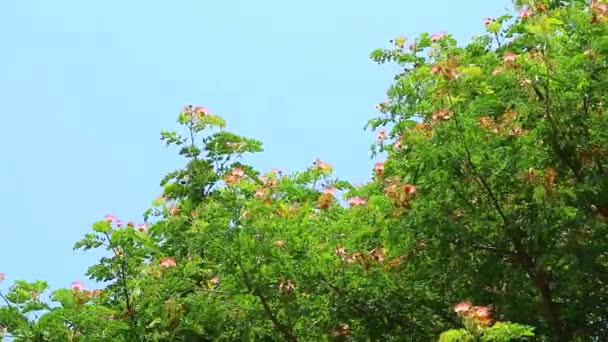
(493, 191)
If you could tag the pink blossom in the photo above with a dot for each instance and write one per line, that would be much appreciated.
(167, 262)
(481, 312)
(436, 69)
(509, 57)
(525, 13)
(354, 201)
(441, 115)
(329, 190)
(462, 307)
(119, 223)
(321, 165)
(412, 47)
(379, 168)
(2, 276)
(600, 7)
(381, 134)
(77, 286)
(399, 143)
(201, 110)
(259, 193)
(238, 172)
(437, 36)
(409, 189)
(109, 218)
(142, 227)
(488, 21)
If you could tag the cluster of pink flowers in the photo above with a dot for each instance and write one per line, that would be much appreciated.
(435, 37)
(77, 286)
(441, 115)
(329, 190)
(119, 223)
(168, 262)
(259, 193)
(321, 165)
(509, 57)
(482, 314)
(355, 201)
(600, 7)
(525, 13)
(381, 135)
(199, 110)
(236, 174)
(379, 168)
(409, 189)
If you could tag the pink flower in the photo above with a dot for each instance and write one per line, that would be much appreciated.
(462, 307)
(436, 69)
(525, 82)
(77, 286)
(201, 110)
(437, 36)
(381, 134)
(287, 286)
(412, 47)
(167, 262)
(119, 223)
(481, 312)
(509, 57)
(329, 190)
(399, 143)
(2, 276)
(379, 168)
(259, 193)
(238, 172)
(142, 227)
(109, 218)
(441, 115)
(354, 201)
(488, 21)
(409, 189)
(525, 13)
(600, 7)
(321, 165)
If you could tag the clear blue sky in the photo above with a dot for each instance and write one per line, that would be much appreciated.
(86, 86)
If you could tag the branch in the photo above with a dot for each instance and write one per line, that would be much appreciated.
(282, 328)
(122, 277)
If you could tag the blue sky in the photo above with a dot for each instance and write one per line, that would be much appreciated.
(86, 86)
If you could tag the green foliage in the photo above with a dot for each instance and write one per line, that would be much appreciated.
(494, 190)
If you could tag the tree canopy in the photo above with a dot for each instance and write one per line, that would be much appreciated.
(487, 221)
